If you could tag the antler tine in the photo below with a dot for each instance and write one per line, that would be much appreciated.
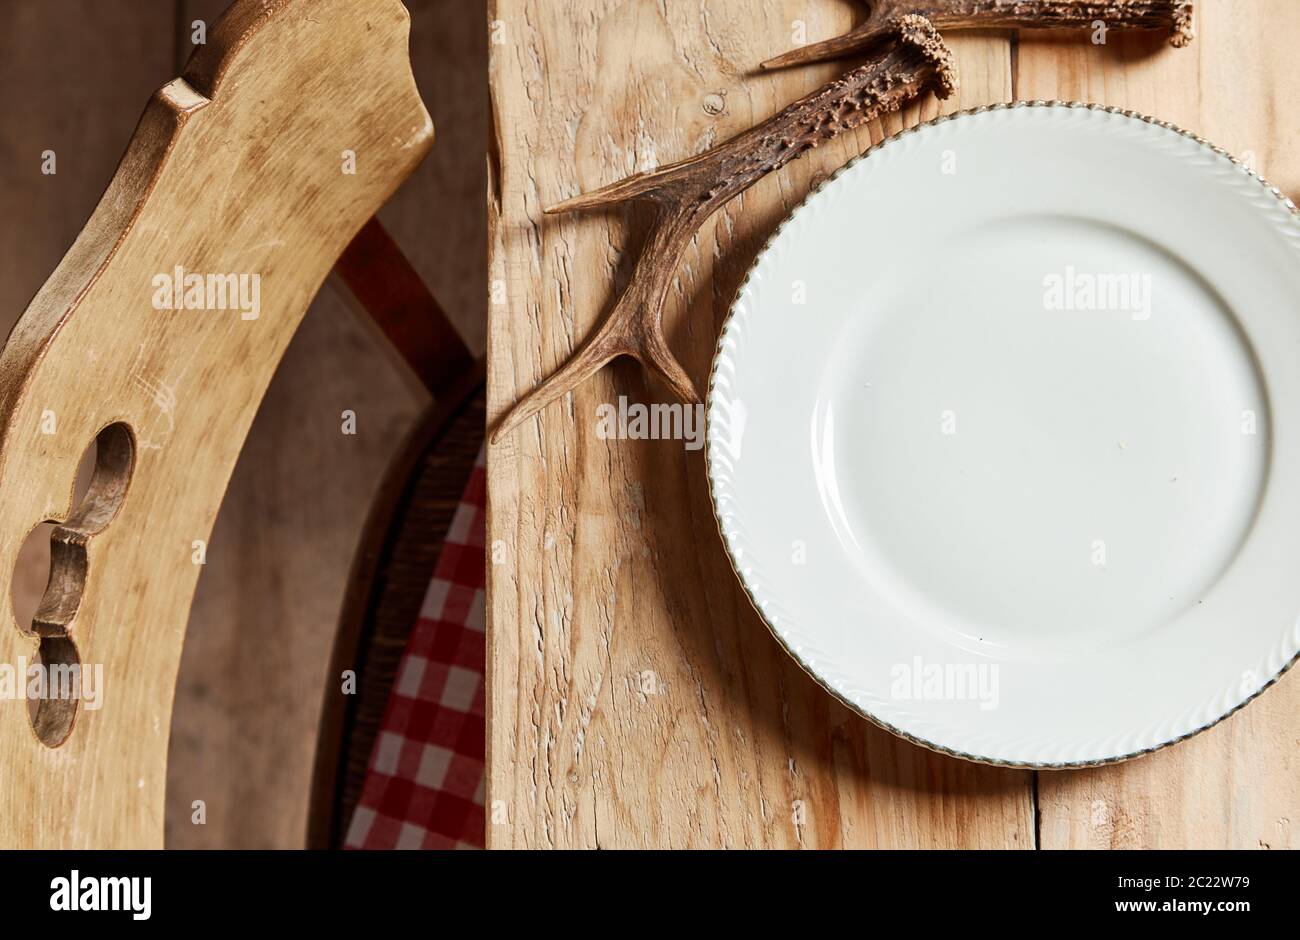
(1174, 15)
(688, 192)
(640, 185)
(864, 37)
(633, 328)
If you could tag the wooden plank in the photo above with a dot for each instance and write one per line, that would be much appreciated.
(1237, 785)
(634, 697)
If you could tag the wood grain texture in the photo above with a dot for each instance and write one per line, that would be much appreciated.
(634, 697)
(687, 192)
(233, 169)
(1237, 785)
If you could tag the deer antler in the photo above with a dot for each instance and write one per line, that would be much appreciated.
(688, 192)
(1175, 15)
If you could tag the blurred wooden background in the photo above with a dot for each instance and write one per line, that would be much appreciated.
(74, 78)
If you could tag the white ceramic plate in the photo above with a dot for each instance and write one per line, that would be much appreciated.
(1004, 434)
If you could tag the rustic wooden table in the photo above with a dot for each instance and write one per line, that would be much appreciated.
(74, 77)
(635, 699)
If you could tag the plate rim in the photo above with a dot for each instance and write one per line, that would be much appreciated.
(1286, 203)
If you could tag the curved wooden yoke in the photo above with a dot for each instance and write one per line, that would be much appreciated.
(157, 336)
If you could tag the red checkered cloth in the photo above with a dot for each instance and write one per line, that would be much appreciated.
(424, 786)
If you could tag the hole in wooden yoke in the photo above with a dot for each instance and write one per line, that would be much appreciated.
(55, 682)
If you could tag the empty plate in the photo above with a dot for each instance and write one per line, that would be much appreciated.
(1003, 434)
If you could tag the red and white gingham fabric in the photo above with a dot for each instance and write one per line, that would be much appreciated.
(424, 786)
